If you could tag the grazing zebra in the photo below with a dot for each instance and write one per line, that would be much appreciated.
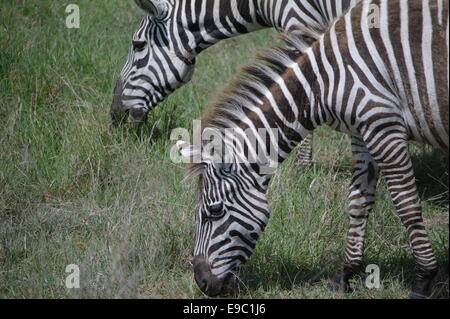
(162, 56)
(381, 85)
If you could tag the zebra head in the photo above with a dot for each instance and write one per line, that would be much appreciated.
(156, 64)
(232, 212)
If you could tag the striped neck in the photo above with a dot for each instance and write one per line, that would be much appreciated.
(207, 22)
(211, 21)
(204, 23)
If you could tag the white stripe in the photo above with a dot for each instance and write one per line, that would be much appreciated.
(428, 65)
(356, 57)
(404, 30)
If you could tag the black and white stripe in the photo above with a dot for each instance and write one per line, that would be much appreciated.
(381, 85)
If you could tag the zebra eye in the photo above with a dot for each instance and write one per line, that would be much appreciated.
(226, 168)
(139, 45)
(216, 210)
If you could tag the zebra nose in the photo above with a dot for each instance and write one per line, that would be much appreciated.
(137, 116)
(117, 111)
(206, 281)
(201, 272)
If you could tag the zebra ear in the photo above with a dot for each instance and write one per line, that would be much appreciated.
(157, 8)
(193, 156)
(186, 150)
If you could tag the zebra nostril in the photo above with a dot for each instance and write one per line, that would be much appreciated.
(201, 273)
(202, 284)
(137, 116)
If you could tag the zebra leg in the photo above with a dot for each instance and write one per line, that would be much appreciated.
(304, 152)
(395, 164)
(361, 199)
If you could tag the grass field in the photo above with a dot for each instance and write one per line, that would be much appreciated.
(72, 191)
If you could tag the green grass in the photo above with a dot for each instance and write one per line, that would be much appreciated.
(74, 192)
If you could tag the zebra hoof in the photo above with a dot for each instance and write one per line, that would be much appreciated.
(304, 164)
(415, 295)
(337, 283)
(342, 288)
(334, 286)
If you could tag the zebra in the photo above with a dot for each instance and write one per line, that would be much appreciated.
(165, 46)
(381, 85)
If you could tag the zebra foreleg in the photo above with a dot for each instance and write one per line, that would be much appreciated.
(361, 199)
(305, 152)
(395, 164)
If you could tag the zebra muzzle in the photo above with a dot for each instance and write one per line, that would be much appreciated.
(137, 116)
(208, 283)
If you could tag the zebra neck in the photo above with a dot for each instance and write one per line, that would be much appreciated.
(291, 105)
(210, 21)
(216, 20)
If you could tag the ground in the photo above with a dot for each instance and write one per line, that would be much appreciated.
(73, 191)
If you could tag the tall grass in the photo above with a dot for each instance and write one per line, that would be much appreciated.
(72, 191)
